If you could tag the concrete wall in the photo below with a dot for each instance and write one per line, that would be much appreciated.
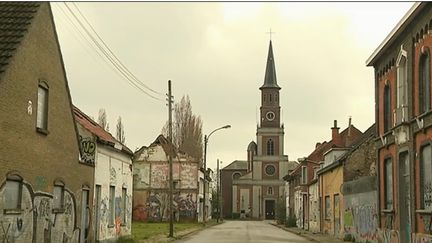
(360, 209)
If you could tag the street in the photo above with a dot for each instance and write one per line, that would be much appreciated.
(243, 231)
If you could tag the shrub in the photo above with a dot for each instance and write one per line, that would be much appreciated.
(235, 215)
(292, 221)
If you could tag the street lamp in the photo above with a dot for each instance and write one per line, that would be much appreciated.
(206, 138)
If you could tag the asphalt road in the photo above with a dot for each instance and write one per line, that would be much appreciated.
(243, 232)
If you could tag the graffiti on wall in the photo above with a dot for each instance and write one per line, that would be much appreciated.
(157, 205)
(159, 175)
(387, 236)
(88, 149)
(361, 221)
(189, 175)
(36, 221)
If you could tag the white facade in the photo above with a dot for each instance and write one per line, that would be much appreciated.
(113, 194)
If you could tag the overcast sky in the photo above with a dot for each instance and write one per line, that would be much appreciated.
(216, 53)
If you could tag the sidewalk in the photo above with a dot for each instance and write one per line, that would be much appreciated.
(315, 237)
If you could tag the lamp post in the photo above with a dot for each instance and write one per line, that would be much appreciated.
(219, 189)
(206, 138)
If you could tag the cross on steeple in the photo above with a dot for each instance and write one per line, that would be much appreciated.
(270, 32)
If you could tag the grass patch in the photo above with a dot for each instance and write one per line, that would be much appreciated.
(142, 231)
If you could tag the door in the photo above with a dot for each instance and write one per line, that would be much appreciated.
(97, 209)
(336, 211)
(269, 209)
(404, 198)
(85, 217)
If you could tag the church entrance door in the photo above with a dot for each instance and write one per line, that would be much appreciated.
(269, 209)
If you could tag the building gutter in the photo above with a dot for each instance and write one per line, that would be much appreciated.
(394, 33)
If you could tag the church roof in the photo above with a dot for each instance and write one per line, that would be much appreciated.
(15, 20)
(237, 165)
(270, 80)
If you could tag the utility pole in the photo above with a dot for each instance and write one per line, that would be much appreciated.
(170, 101)
(217, 190)
(205, 180)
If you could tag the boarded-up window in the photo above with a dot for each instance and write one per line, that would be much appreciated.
(123, 206)
(388, 183)
(304, 175)
(42, 108)
(58, 197)
(12, 195)
(327, 208)
(426, 178)
(111, 205)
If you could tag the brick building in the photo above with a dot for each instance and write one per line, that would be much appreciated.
(235, 170)
(38, 203)
(112, 179)
(403, 116)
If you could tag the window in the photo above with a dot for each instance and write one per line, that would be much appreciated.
(124, 198)
(402, 88)
(270, 170)
(270, 147)
(270, 97)
(111, 205)
(387, 108)
(327, 208)
(426, 178)
(42, 108)
(269, 190)
(58, 196)
(388, 183)
(12, 195)
(424, 84)
(304, 175)
(236, 175)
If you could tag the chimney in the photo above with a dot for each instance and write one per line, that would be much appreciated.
(349, 127)
(335, 134)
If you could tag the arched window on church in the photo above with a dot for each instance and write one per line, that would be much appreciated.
(270, 97)
(270, 147)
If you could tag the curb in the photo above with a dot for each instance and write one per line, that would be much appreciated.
(296, 233)
(193, 232)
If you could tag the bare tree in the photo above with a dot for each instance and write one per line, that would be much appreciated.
(120, 131)
(102, 119)
(187, 129)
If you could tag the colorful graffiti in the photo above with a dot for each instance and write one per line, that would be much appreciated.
(362, 222)
(387, 236)
(88, 149)
(36, 221)
(157, 205)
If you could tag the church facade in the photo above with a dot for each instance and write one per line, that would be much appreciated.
(256, 193)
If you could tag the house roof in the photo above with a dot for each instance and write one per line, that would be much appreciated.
(15, 20)
(98, 131)
(237, 165)
(391, 37)
(370, 132)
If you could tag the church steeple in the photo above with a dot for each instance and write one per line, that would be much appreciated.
(270, 80)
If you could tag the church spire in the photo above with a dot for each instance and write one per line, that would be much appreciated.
(270, 80)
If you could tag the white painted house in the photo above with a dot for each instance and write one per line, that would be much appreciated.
(112, 217)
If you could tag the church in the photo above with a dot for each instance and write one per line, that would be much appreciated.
(252, 188)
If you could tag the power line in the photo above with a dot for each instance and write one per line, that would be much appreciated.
(114, 64)
(112, 53)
